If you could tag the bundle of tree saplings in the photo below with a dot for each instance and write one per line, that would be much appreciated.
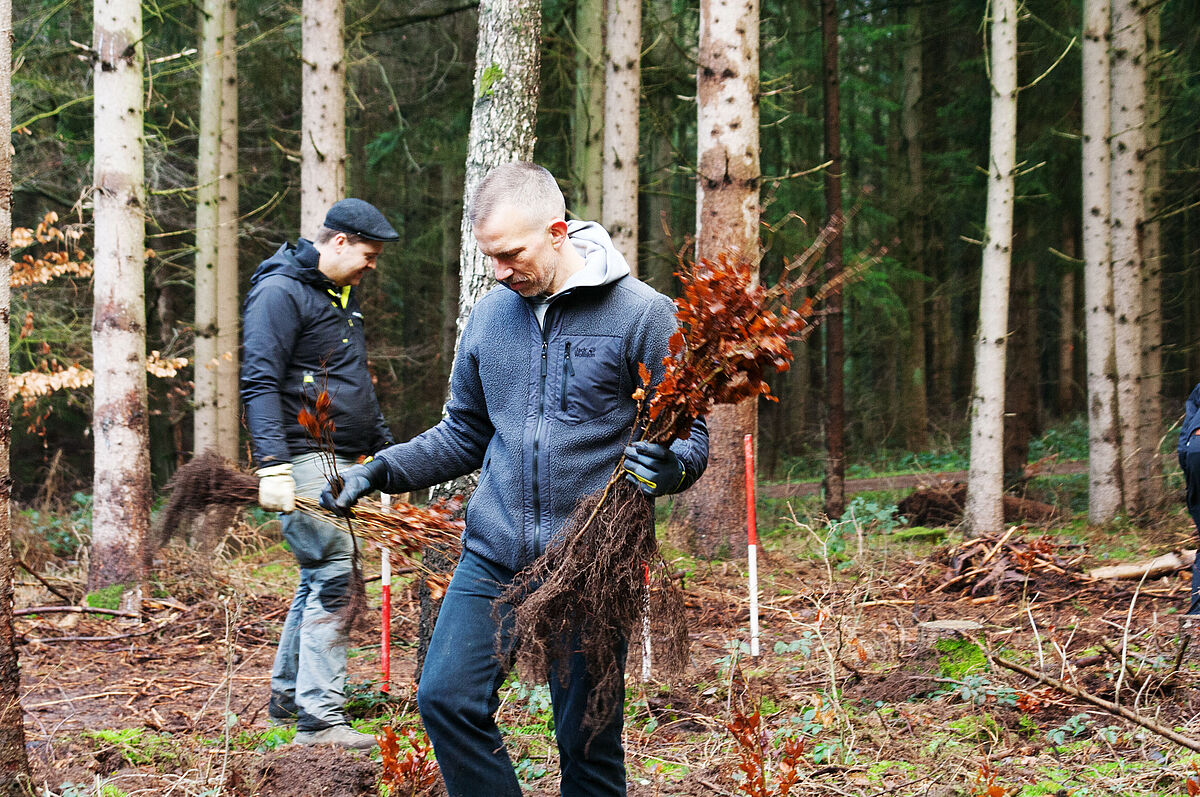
(588, 591)
(209, 490)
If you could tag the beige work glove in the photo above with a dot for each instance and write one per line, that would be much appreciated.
(276, 488)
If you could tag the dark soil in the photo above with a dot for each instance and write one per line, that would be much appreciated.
(321, 771)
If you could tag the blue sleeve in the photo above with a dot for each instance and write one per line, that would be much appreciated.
(1191, 418)
(456, 446)
(270, 327)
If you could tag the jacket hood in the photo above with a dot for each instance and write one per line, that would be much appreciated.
(297, 261)
(603, 264)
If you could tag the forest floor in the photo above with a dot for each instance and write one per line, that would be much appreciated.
(856, 661)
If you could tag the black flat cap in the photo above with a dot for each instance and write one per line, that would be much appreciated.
(360, 218)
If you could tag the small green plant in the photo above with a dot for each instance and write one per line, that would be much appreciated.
(364, 700)
(871, 513)
(137, 746)
(1070, 729)
(804, 645)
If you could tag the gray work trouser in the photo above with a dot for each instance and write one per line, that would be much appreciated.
(309, 677)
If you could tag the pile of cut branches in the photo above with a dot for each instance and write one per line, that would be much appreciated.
(991, 564)
(587, 591)
(209, 490)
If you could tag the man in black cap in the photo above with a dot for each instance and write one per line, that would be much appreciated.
(303, 336)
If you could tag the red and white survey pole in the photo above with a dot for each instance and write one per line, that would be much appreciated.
(752, 545)
(646, 622)
(385, 578)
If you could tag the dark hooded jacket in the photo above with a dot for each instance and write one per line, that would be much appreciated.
(545, 410)
(1191, 419)
(301, 335)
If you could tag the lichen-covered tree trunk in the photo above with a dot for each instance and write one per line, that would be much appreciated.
(502, 120)
(834, 483)
(588, 151)
(228, 307)
(14, 764)
(121, 497)
(985, 487)
(323, 111)
(1128, 143)
(208, 144)
(1105, 493)
(727, 218)
(622, 90)
(502, 130)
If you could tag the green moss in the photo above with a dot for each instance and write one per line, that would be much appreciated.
(959, 657)
(976, 727)
(922, 533)
(106, 597)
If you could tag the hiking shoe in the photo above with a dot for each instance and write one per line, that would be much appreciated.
(342, 735)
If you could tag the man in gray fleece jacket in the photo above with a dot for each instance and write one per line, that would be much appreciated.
(540, 402)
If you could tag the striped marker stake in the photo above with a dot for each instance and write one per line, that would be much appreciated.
(385, 577)
(752, 545)
(646, 623)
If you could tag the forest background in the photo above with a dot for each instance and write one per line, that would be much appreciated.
(409, 98)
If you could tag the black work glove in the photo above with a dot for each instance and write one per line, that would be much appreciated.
(357, 481)
(654, 468)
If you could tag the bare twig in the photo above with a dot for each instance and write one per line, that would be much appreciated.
(72, 610)
(20, 563)
(1112, 708)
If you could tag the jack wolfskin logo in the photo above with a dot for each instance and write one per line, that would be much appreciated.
(584, 352)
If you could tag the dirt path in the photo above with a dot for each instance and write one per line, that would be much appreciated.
(901, 482)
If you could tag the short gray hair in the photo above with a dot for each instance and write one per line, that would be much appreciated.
(522, 184)
(325, 235)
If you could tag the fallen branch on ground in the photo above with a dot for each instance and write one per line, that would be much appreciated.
(73, 610)
(1152, 568)
(1112, 708)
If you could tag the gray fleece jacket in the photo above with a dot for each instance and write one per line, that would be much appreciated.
(545, 410)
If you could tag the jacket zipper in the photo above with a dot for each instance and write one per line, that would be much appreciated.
(537, 441)
(568, 371)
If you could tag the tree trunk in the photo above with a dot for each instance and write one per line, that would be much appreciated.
(1128, 197)
(502, 130)
(656, 234)
(985, 488)
(835, 356)
(1151, 429)
(727, 219)
(1065, 399)
(622, 86)
(1105, 487)
(14, 764)
(589, 150)
(1021, 382)
(121, 497)
(912, 398)
(228, 307)
(323, 111)
(205, 426)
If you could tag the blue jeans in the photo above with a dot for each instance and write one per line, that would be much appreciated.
(308, 679)
(458, 698)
